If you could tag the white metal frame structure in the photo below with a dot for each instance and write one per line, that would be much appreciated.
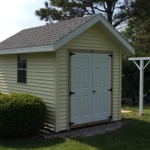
(141, 87)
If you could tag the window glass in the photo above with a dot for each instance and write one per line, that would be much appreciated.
(21, 68)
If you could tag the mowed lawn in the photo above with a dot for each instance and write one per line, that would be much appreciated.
(134, 135)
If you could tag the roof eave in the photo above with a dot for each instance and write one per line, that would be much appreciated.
(99, 20)
(32, 49)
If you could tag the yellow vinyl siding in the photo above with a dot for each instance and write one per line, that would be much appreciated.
(116, 85)
(47, 76)
(91, 39)
(40, 78)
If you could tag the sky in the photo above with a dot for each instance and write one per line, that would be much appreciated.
(16, 15)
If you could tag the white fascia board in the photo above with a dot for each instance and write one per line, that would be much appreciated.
(33, 49)
(139, 58)
(117, 35)
(98, 18)
(76, 32)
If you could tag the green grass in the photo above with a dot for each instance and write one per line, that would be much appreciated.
(134, 135)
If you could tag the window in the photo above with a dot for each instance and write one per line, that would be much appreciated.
(21, 69)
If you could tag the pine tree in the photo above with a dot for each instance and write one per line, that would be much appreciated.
(115, 11)
(138, 29)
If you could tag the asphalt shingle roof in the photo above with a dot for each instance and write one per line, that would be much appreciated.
(43, 35)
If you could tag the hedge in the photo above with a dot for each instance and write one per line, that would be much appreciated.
(21, 115)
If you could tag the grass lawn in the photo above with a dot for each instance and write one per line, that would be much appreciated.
(134, 135)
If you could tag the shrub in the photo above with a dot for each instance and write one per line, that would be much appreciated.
(130, 75)
(21, 115)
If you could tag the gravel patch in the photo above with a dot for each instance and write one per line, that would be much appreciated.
(86, 131)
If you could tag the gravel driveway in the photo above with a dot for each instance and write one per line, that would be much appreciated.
(86, 131)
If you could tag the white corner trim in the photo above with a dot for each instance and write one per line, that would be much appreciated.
(33, 49)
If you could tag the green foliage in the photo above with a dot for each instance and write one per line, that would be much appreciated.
(138, 32)
(129, 32)
(21, 115)
(132, 135)
(115, 11)
(130, 75)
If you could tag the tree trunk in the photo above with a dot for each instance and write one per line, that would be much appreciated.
(109, 10)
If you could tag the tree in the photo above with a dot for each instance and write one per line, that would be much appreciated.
(137, 33)
(115, 11)
(130, 76)
(138, 29)
(129, 32)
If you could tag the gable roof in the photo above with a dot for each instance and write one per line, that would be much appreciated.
(53, 36)
(44, 35)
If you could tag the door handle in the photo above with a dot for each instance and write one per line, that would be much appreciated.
(94, 91)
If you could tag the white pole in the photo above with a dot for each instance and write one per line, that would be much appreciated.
(141, 86)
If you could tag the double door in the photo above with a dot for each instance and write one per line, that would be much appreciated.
(90, 87)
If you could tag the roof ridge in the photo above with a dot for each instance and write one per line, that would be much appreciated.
(59, 22)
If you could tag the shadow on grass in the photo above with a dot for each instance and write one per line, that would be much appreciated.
(27, 144)
(134, 135)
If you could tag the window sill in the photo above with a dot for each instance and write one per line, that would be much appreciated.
(22, 83)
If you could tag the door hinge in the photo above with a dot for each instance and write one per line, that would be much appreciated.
(71, 123)
(110, 55)
(110, 90)
(71, 93)
(72, 53)
(110, 117)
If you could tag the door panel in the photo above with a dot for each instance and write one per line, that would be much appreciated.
(90, 81)
(101, 84)
(81, 84)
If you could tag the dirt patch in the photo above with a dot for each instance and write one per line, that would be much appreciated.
(125, 111)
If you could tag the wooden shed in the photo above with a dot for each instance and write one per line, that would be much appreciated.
(74, 66)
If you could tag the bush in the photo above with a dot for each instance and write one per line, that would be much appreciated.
(21, 115)
(130, 75)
